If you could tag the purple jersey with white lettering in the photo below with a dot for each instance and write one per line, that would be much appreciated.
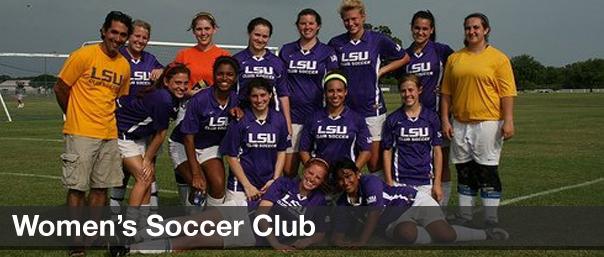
(412, 141)
(373, 192)
(333, 139)
(305, 72)
(429, 66)
(140, 69)
(139, 117)
(284, 193)
(360, 61)
(268, 66)
(256, 144)
(205, 118)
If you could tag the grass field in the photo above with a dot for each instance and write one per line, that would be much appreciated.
(558, 143)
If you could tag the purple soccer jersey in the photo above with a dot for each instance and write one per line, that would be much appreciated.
(305, 72)
(411, 141)
(360, 61)
(140, 69)
(428, 65)
(336, 138)
(205, 118)
(284, 193)
(373, 192)
(256, 144)
(268, 66)
(139, 117)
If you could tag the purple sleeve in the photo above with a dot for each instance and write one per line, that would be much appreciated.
(275, 191)
(437, 137)
(445, 51)
(281, 83)
(190, 122)
(306, 139)
(156, 64)
(161, 114)
(332, 60)
(387, 134)
(363, 141)
(232, 140)
(284, 140)
(390, 50)
(373, 189)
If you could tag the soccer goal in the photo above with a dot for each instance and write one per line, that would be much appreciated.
(34, 64)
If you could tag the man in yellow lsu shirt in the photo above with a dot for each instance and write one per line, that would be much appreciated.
(89, 82)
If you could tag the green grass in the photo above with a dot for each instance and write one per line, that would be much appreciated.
(558, 142)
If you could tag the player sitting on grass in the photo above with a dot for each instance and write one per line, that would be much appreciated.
(395, 211)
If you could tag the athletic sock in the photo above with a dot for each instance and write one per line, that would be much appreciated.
(468, 234)
(490, 212)
(154, 200)
(465, 206)
(211, 201)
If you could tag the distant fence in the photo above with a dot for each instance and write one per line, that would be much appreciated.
(568, 91)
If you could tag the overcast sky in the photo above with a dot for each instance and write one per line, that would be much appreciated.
(555, 32)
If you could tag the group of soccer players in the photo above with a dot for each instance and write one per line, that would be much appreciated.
(317, 104)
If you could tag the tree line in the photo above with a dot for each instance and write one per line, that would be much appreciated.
(531, 74)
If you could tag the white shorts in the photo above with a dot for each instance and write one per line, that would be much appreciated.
(235, 198)
(296, 131)
(424, 211)
(375, 125)
(130, 148)
(179, 155)
(480, 141)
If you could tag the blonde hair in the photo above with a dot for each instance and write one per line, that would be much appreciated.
(412, 78)
(348, 5)
(143, 24)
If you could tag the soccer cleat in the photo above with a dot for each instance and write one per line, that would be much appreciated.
(118, 250)
(118, 247)
(497, 234)
(490, 224)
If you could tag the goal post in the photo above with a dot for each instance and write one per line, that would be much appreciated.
(5, 108)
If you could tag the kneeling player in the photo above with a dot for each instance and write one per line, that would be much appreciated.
(287, 197)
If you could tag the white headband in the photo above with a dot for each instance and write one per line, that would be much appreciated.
(335, 76)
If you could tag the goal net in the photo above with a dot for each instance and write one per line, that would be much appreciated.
(37, 100)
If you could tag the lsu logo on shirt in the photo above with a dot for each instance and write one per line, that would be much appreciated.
(262, 140)
(218, 123)
(101, 77)
(332, 132)
(420, 69)
(294, 206)
(303, 66)
(141, 78)
(355, 58)
(371, 199)
(415, 134)
(259, 72)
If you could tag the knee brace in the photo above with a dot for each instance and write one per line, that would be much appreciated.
(489, 182)
(467, 184)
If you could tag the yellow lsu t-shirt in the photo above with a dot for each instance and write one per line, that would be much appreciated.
(96, 80)
(476, 84)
